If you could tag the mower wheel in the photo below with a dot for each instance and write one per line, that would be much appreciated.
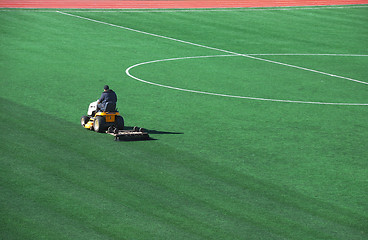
(84, 120)
(99, 124)
(119, 122)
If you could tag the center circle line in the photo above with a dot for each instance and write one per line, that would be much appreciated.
(127, 71)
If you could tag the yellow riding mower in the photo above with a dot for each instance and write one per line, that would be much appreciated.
(100, 121)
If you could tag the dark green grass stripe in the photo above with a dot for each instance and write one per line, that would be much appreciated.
(54, 171)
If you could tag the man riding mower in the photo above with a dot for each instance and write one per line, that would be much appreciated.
(103, 114)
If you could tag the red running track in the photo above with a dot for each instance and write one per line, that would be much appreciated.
(135, 4)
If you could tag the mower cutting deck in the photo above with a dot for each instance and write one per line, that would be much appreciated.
(136, 134)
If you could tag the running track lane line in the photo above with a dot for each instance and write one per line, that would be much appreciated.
(212, 48)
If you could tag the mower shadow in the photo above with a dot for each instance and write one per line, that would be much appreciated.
(153, 132)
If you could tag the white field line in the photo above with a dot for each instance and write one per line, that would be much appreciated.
(212, 48)
(308, 54)
(127, 71)
(143, 10)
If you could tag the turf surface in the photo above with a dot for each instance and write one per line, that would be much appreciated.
(220, 168)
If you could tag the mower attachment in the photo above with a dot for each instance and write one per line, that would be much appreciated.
(137, 134)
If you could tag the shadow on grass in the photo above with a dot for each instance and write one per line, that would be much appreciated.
(140, 137)
(150, 131)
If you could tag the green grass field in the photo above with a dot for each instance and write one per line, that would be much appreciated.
(220, 167)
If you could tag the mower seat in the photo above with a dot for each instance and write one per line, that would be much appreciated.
(110, 107)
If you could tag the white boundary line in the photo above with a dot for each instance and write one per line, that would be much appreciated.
(127, 71)
(212, 48)
(148, 10)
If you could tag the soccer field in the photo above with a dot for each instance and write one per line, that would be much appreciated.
(258, 115)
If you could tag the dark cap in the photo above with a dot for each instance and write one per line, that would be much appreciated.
(106, 87)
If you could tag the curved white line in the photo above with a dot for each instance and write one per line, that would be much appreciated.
(127, 71)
